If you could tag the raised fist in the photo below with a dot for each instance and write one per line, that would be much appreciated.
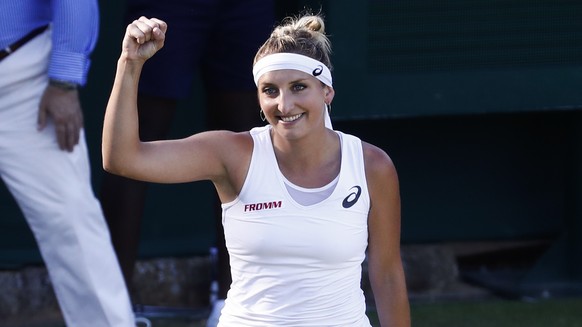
(143, 38)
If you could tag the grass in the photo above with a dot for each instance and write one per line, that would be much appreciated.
(497, 313)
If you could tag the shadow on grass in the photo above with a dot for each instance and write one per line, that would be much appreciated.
(499, 313)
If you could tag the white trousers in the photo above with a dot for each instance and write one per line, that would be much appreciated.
(53, 189)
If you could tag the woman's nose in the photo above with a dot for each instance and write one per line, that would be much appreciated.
(285, 103)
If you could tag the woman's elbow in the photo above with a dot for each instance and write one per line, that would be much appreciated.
(111, 165)
(108, 165)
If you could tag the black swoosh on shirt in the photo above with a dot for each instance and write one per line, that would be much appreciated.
(352, 198)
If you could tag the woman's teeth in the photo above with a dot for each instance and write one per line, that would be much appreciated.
(291, 118)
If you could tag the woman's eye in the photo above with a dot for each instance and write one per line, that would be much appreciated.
(298, 87)
(269, 90)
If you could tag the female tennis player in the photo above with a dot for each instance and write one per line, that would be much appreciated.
(302, 204)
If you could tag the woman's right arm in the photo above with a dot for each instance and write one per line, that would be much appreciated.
(120, 143)
(201, 156)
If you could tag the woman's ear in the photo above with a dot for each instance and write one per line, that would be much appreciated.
(329, 94)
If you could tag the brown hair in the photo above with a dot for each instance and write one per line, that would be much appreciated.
(303, 35)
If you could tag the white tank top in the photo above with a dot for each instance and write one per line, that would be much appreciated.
(295, 265)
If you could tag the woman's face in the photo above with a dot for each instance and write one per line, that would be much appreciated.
(293, 101)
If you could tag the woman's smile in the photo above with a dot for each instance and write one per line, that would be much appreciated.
(290, 119)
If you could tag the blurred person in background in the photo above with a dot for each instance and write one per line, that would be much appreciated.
(43, 156)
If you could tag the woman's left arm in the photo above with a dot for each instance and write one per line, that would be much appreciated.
(384, 263)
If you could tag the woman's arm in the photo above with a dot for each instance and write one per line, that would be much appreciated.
(384, 262)
(120, 144)
(202, 156)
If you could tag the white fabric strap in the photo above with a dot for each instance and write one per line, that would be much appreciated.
(327, 119)
(279, 61)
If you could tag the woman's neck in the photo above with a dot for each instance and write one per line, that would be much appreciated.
(310, 162)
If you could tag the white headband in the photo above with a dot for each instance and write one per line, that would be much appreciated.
(278, 61)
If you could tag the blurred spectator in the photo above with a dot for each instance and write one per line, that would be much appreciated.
(43, 155)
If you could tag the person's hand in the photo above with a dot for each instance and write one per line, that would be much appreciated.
(64, 108)
(143, 38)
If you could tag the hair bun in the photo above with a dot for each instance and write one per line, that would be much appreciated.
(312, 23)
(302, 35)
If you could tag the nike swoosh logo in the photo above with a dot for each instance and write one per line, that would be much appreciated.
(352, 198)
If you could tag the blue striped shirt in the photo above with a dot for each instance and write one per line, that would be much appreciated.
(75, 28)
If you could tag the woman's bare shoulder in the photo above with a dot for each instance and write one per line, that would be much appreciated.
(376, 158)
